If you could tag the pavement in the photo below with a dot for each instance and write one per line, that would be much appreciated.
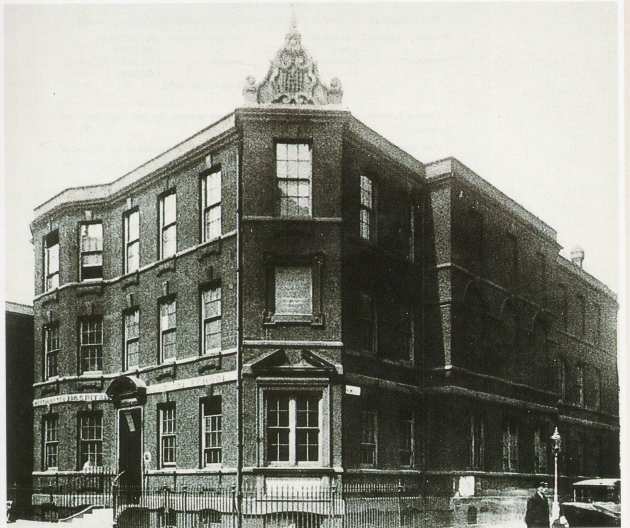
(100, 518)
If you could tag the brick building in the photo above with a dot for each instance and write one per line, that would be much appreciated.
(19, 393)
(289, 278)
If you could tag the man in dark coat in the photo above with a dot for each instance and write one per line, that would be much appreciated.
(537, 515)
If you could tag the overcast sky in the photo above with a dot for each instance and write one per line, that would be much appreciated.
(525, 94)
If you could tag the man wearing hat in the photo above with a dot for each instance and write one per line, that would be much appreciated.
(537, 515)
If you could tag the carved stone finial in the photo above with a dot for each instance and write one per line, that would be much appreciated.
(293, 77)
(250, 90)
(293, 18)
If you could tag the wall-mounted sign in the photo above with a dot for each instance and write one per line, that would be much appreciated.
(353, 390)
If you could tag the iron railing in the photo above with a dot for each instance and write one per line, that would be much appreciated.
(55, 495)
(350, 506)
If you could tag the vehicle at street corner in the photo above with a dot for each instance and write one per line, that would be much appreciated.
(596, 502)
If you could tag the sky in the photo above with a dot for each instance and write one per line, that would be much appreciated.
(525, 94)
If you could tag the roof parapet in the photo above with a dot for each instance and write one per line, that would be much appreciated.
(19, 308)
(453, 167)
(102, 191)
(569, 266)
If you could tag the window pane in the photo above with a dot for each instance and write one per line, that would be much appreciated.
(212, 302)
(133, 226)
(307, 412)
(133, 256)
(168, 315)
(169, 209)
(169, 241)
(92, 237)
(281, 151)
(212, 222)
(366, 192)
(292, 150)
(53, 259)
(278, 412)
(304, 152)
(213, 335)
(213, 188)
(212, 430)
(132, 355)
(293, 291)
(169, 345)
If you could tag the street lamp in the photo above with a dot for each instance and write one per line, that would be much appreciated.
(556, 447)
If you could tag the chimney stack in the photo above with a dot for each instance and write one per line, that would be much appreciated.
(577, 256)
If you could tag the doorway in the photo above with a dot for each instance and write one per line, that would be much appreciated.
(130, 447)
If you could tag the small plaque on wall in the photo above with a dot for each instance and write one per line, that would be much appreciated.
(353, 390)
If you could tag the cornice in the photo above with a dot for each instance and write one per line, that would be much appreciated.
(358, 130)
(441, 170)
(583, 275)
(172, 158)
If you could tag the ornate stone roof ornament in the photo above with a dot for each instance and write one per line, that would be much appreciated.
(292, 78)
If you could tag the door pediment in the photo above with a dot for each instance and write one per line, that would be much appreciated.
(125, 391)
(288, 362)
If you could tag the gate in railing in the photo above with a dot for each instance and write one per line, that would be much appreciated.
(319, 507)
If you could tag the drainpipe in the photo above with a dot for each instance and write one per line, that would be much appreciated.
(239, 336)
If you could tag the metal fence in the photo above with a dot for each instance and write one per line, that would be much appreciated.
(318, 507)
(56, 495)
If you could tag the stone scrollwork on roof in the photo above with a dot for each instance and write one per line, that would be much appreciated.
(292, 78)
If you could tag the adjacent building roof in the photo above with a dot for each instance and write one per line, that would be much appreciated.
(19, 308)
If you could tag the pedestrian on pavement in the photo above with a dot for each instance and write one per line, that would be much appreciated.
(537, 515)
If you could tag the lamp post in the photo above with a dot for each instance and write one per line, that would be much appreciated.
(557, 444)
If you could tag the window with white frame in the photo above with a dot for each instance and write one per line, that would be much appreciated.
(406, 436)
(51, 348)
(168, 435)
(132, 337)
(211, 431)
(294, 173)
(211, 317)
(211, 205)
(168, 330)
(91, 439)
(51, 441)
(294, 291)
(51, 261)
(132, 241)
(91, 344)
(369, 438)
(91, 260)
(540, 450)
(367, 224)
(510, 446)
(168, 225)
(293, 427)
